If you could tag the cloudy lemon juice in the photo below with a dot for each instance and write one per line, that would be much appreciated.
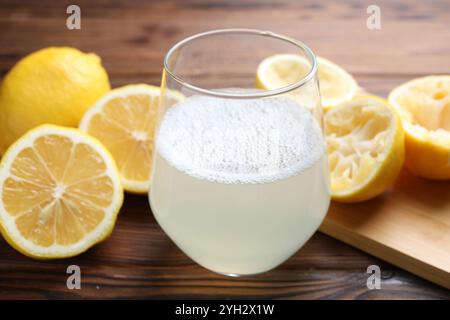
(239, 184)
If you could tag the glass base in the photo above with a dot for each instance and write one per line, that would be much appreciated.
(237, 275)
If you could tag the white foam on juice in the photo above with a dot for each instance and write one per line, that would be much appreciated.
(240, 140)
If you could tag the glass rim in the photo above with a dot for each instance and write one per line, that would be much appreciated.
(221, 94)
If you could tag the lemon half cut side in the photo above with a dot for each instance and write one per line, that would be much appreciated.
(280, 70)
(124, 121)
(60, 193)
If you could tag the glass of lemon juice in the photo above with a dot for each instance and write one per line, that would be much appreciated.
(240, 175)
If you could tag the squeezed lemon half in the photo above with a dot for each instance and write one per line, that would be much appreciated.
(365, 143)
(424, 107)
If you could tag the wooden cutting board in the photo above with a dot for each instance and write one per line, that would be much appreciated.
(408, 227)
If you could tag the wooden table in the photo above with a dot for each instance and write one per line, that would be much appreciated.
(139, 261)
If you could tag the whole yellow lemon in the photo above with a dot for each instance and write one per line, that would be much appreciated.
(50, 86)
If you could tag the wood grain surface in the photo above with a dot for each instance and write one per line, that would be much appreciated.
(139, 261)
(408, 226)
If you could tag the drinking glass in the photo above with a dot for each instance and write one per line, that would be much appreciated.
(240, 175)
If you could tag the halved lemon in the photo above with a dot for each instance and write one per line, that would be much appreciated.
(424, 107)
(60, 193)
(124, 121)
(280, 70)
(365, 143)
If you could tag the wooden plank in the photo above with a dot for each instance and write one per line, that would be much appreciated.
(409, 227)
